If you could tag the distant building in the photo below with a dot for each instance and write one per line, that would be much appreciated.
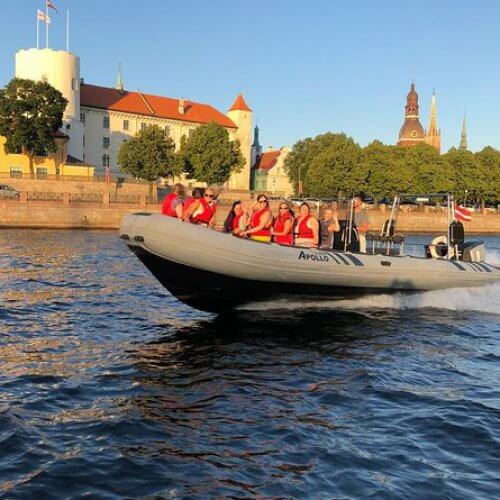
(97, 120)
(463, 137)
(269, 173)
(412, 132)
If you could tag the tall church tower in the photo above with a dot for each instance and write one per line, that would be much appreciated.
(412, 132)
(433, 135)
(242, 115)
(463, 137)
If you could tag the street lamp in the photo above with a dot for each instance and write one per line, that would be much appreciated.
(300, 181)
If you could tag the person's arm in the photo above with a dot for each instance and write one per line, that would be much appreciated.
(211, 222)
(363, 227)
(190, 210)
(314, 226)
(264, 221)
(334, 227)
(178, 209)
(286, 229)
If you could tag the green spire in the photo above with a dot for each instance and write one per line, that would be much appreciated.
(119, 80)
(463, 137)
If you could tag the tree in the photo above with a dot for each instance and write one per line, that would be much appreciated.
(335, 168)
(148, 155)
(30, 113)
(466, 175)
(488, 161)
(209, 156)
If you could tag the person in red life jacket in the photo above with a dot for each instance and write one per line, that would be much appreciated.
(189, 205)
(282, 230)
(260, 221)
(235, 220)
(306, 229)
(203, 210)
(172, 204)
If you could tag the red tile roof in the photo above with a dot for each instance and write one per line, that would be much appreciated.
(268, 160)
(92, 96)
(239, 104)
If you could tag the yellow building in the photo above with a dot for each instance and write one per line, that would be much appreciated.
(270, 175)
(53, 165)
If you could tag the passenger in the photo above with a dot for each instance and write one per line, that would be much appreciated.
(329, 225)
(235, 220)
(282, 230)
(173, 202)
(260, 221)
(306, 229)
(188, 207)
(204, 209)
(361, 221)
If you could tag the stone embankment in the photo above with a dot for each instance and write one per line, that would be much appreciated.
(105, 210)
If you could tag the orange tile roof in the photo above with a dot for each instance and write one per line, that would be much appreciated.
(92, 96)
(239, 104)
(268, 160)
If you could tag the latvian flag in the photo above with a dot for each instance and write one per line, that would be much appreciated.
(43, 17)
(50, 5)
(462, 214)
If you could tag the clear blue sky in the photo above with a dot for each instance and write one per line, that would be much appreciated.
(305, 67)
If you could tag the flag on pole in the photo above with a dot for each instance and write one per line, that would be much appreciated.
(462, 214)
(50, 5)
(41, 16)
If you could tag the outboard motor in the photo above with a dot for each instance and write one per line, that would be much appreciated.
(474, 251)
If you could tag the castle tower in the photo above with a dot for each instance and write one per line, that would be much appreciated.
(62, 70)
(433, 135)
(411, 132)
(463, 137)
(241, 115)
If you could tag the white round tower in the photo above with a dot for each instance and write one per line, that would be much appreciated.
(62, 70)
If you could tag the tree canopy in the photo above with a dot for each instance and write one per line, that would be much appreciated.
(30, 113)
(148, 155)
(209, 155)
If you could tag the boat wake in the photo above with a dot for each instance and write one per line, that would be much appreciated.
(485, 299)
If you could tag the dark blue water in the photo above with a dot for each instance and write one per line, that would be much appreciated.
(111, 388)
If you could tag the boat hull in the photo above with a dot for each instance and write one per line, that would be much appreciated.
(217, 272)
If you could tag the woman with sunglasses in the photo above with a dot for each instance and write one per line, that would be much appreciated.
(235, 220)
(260, 222)
(306, 229)
(282, 230)
(204, 209)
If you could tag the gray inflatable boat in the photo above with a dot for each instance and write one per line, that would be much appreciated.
(216, 272)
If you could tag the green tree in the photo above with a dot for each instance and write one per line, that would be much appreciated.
(469, 182)
(209, 155)
(335, 168)
(488, 161)
(30, 113)
(148, 155)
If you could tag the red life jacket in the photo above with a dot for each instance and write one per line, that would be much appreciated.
(206, 214)
(302, 230)
(279, 226)
(166, 207)
(236, 222)
(255, 222)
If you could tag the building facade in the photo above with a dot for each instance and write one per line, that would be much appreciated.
(270, 175)
(97, 120)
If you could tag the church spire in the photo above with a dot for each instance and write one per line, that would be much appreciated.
(463, 136)
(119, 80)
(412, 132)
(433, 135)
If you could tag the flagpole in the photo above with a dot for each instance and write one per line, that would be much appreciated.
(46, 25)
(37, 31)
(67, 30)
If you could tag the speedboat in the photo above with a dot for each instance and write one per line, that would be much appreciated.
(214, 271)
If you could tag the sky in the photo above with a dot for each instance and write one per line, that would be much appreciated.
(304, 67)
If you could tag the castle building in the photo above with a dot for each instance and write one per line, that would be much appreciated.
(97, 120)
(412, 132)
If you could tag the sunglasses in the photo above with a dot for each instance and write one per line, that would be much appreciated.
(262, 201)
(283, 208)
(207, 195)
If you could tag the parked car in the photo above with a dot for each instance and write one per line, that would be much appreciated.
(8, 192)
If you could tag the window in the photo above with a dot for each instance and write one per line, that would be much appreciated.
(82, 118)
(143, 126)
(125, 124)
(73, 84)
(105, 122)
(41, 172)
(16, 172)
(105, 160)
(83, 141)
(105, 143)
(167, 131)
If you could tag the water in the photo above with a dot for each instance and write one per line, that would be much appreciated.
(111, 388)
